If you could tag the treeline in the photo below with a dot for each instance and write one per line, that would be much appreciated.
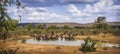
(100, 26)
(43, 26)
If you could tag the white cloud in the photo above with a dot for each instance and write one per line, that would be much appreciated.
(105, 8)
(41, 0)
(90, 12)
(57, 16)
(78, 1)
(72, 8)
(75, 11)
(35, 15)
(36, 18)
(32, 9)
(13, 12)
(101, 6)
(88, 0)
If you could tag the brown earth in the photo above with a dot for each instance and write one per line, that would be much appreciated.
(53, 49)
(56, 49)
(102, 38)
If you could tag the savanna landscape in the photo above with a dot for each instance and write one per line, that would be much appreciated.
(34, 27)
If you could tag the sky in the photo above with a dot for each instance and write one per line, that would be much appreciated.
(78, 11)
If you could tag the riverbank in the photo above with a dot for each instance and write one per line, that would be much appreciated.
(112, 39)
(108, 38)
(53, 49)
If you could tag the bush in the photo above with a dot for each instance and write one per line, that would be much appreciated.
(4, 35)
(8, 51)
(23, 40)
(105, 48)
(89, 45)
(115, 32)
(19, 32)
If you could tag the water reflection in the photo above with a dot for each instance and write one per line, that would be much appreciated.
(62, 41)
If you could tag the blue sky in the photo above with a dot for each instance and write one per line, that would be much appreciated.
(79, 11)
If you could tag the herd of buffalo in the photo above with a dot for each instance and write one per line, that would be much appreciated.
(54, 35)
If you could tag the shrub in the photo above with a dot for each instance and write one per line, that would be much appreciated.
(7, 51)
(23, 40)
(105, 48)
(4, 35)
(89, 45)
(116, 32)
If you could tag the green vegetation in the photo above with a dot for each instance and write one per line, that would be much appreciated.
(66, 27)
(39, 26)
(8, 26)
(101, 26)
(23, 40)
(8, 51)
(115, 32)
(29, 27)
(6, 23)
(53, 27)
(89, 45)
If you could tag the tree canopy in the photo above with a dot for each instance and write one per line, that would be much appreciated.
(5, 19)
(101, 25)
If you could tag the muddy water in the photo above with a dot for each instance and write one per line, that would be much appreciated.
(62, 41)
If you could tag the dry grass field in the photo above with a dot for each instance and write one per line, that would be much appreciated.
(23, 48)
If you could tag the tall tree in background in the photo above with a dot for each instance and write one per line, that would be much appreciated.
(12, 24)
(53, 27)
(101, 25)
(39, 26)
(5, 20)
(101, 20)
(29, 27)
(66, 27)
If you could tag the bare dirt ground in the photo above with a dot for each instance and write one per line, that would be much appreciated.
(56, 49)
(53, 49)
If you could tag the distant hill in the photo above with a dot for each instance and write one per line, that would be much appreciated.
(71, 25)
(114, 23)
(49, 24)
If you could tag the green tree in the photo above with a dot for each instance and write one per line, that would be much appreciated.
(101, 19)
(88, 46)
(5, 20)
(12, 24)
(29, 27)
(101, 25)
(39, 26)
(53, 27)
(66, 27)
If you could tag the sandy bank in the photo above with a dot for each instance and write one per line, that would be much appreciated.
(53, 49)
